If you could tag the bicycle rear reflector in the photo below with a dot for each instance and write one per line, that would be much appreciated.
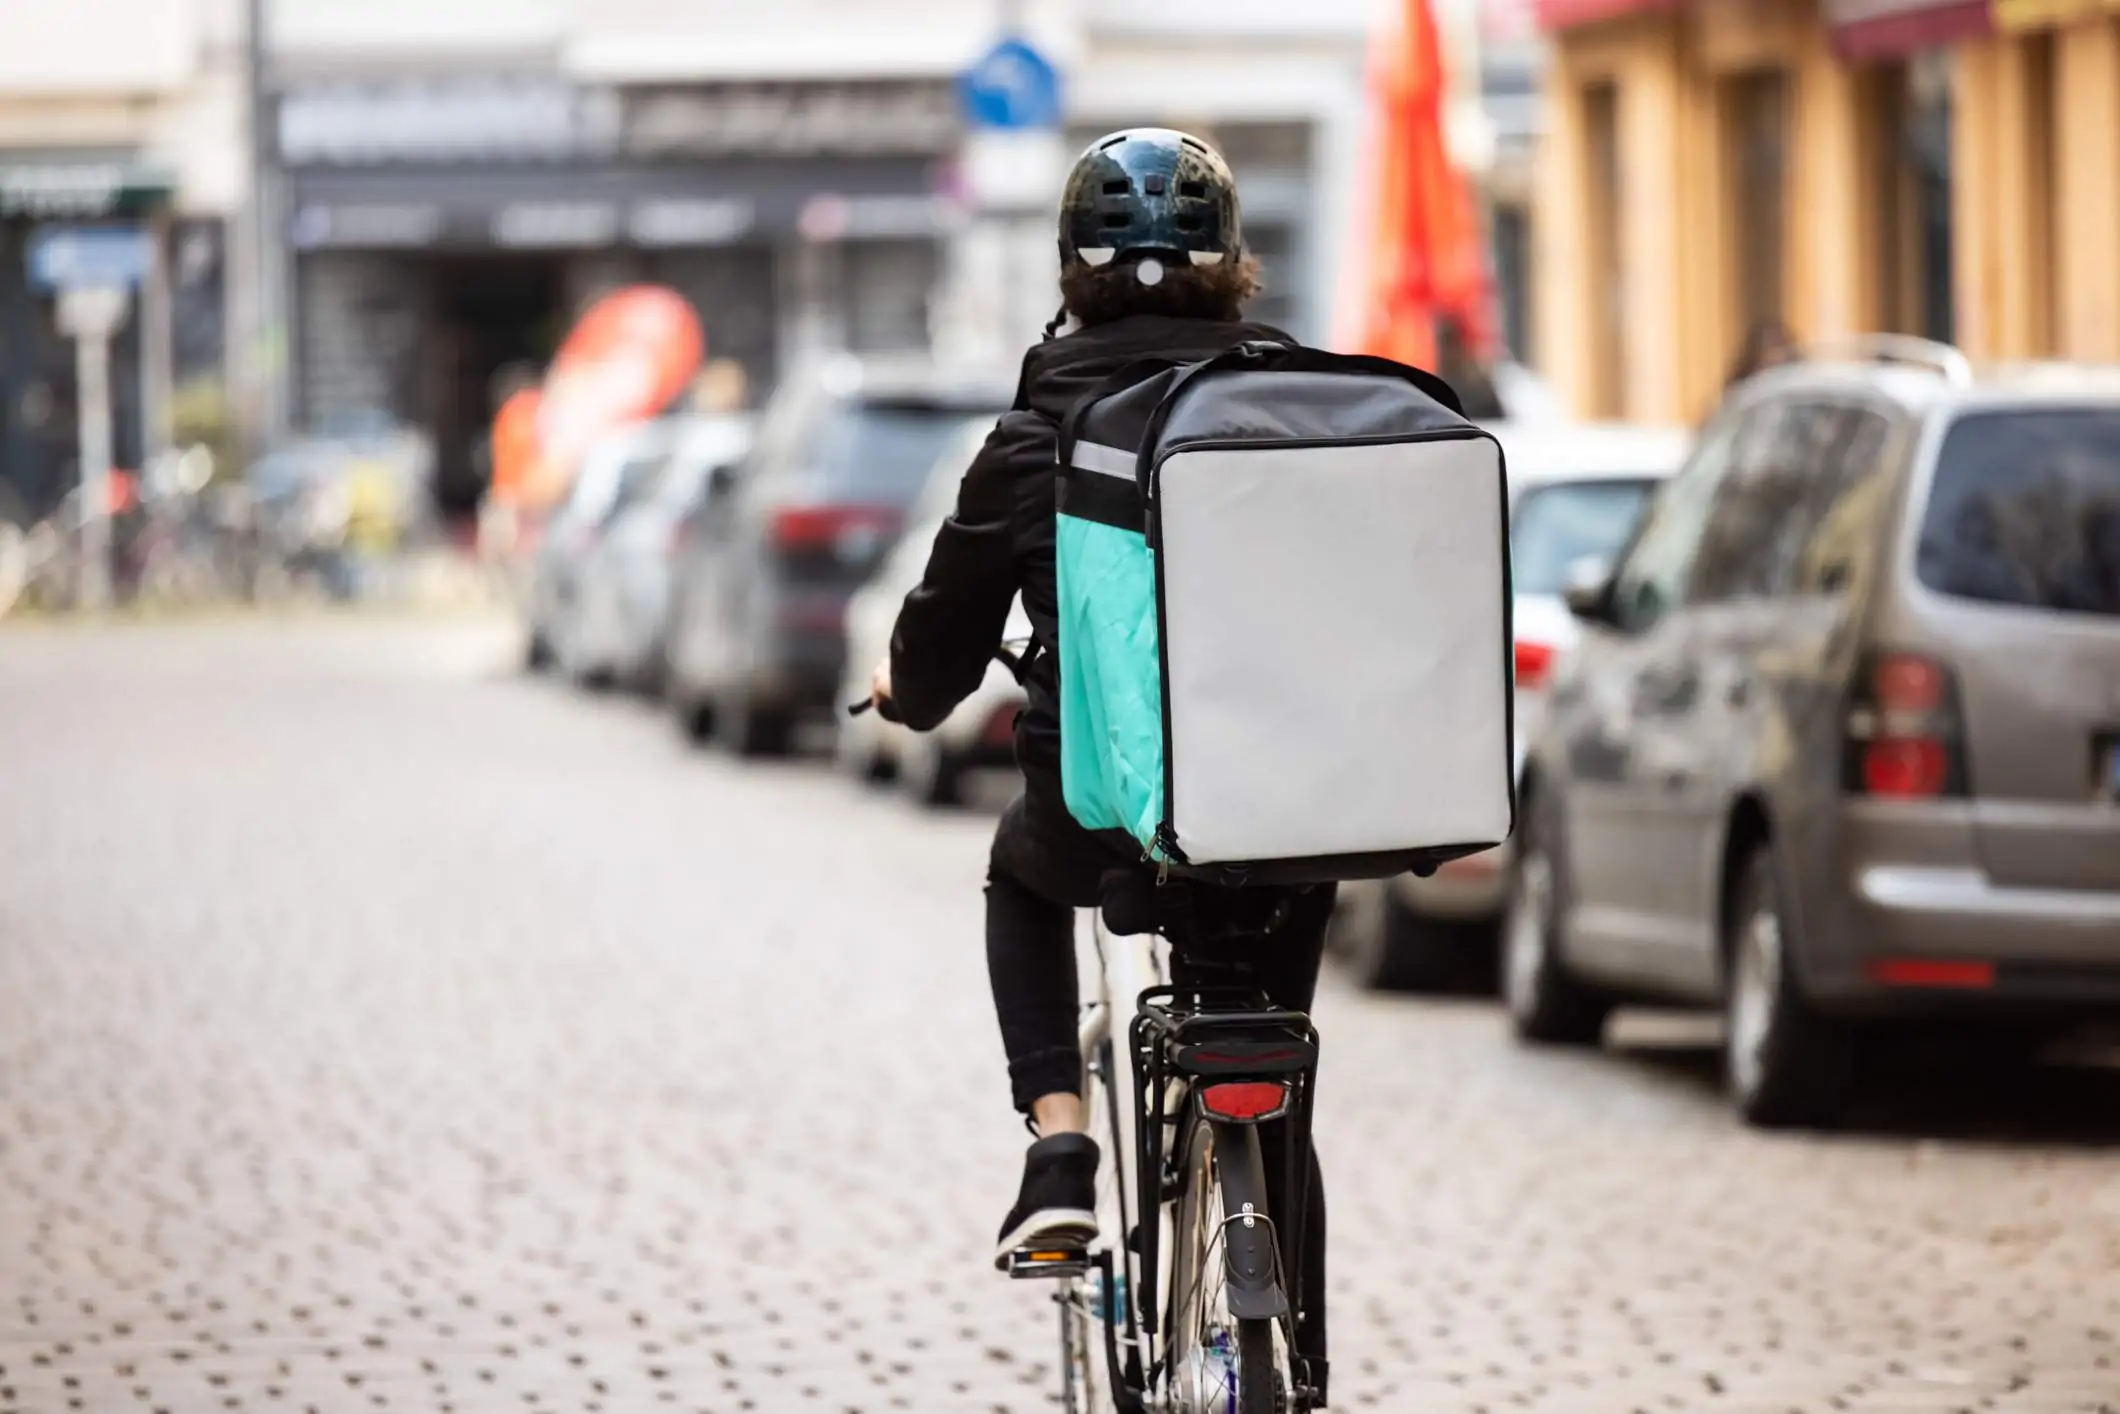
(1244, 1101)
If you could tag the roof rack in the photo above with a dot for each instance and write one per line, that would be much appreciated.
(1909, 349)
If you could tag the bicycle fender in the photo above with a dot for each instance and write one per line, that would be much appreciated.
(1248, 1240)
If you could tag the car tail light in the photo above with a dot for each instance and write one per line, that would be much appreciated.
(1933, 972)
(849, 532)
(1244, 1100)
(1000, 728)
(1905, 733)
(1534, 663)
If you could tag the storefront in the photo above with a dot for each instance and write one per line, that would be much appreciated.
(1723, 170)
(39, 425)
(2039, 149)
(445, 230)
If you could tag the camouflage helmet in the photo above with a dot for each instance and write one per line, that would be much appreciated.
(1150, 191)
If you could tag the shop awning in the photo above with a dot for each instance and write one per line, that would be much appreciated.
(570, 207)
(1885, 29)
(1568, 14)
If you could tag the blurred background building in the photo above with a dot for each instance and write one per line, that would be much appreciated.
(1718, 167)
(125, 110)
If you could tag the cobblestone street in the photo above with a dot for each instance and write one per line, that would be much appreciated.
(381, 1029)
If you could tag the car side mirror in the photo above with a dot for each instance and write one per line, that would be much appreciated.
(1586, 588)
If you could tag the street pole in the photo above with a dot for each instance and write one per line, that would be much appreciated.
(90, 315)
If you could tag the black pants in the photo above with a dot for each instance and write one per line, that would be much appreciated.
(1030, 962)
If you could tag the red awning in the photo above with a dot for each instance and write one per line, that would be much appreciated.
(1886, 29)
(1567, 14)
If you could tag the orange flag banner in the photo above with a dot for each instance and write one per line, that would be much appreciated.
(1429, 257)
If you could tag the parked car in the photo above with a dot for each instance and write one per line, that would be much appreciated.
(1575, 491)
(625, 582)
(617, 462)
(758, 636)
(981, 733)
(1841, 745)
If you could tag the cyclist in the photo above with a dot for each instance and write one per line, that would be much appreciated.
(1153, 266)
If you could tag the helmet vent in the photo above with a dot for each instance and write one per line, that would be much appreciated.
(1117, 188)
(1188, 223)
(1115, 219)
(1196, 190)
(1192, 142)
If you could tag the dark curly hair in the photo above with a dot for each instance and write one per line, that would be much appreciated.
(1098, 294)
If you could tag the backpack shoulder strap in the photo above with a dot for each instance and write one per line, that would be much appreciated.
(1125, 377)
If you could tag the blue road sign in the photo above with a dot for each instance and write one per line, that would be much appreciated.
(1014, 86)
(84, 257)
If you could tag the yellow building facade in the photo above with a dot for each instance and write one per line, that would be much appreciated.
(1713, 170)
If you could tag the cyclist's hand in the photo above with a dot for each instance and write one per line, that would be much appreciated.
(880, 683)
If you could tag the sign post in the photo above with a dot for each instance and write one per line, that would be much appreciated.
(1012, 167)
(92, 270)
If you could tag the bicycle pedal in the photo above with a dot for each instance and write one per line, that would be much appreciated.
(1031, 1263)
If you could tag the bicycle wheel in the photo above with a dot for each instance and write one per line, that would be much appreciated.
(1086, 1307)
(1219, 1363)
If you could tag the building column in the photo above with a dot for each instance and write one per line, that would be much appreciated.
(1978, 152)
(2022, 198)
(1830, 197)
(1664, 251)
(1564, 309)
(2086, 179)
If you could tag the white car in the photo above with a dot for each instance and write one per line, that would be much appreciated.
(624, 589)
(1576, 491)
(981, 732)
(615, 463)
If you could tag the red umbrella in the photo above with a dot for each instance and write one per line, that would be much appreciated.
(1428, 260)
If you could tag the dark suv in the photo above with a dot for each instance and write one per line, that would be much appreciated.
(1842, 742)
(757, 636)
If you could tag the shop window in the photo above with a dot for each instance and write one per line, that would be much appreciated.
(1607, 291)
(1755, 112)
(2037, 54)
(889, 284)
(1909, 120)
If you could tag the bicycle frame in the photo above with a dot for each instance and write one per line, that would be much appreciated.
(1174, 1039)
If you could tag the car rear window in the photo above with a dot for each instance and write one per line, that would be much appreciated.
(1554, 526)
(881, 451)
(2025, 510)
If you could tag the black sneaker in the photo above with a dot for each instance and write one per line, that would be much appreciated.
(1058, 1203)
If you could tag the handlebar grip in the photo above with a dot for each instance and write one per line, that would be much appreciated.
(887, 709)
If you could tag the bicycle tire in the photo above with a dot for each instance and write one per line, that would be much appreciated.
(1210, 1349)
(1086, 1383)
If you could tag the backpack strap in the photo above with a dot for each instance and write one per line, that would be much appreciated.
(1126, 377)
(1261, 354)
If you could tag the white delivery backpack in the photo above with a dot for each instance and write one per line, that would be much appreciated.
(1285, 644)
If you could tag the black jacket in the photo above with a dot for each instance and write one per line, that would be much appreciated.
(1000, 540)
(998, 543)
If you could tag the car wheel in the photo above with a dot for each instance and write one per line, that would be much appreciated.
(1391, 948)
(749, 730)
(695, 717)
(931, 773)
(1787, 1065)
(1546, 1004)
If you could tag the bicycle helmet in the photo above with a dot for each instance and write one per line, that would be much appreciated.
(1150, 192)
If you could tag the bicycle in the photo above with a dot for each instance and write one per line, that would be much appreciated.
(1209, 1060)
